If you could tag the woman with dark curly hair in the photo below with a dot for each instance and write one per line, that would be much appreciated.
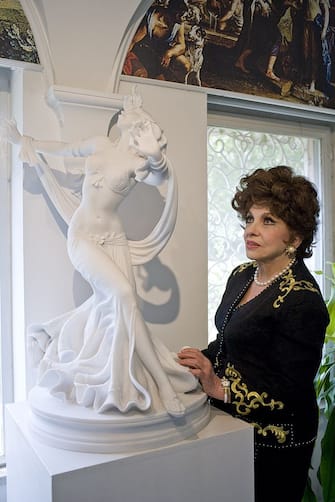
(271, 324)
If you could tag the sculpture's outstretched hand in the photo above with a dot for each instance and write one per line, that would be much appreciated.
(9, 132)
(144, 141)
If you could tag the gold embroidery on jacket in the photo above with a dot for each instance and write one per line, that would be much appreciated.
(244, 266)
(246, 401)
(288, 284)
(279, 432)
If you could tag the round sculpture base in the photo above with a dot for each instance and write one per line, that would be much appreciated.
(69, 426)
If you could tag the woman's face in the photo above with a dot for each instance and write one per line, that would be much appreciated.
(266, 236)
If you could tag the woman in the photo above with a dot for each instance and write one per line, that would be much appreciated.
(101, 354)
(271, 323)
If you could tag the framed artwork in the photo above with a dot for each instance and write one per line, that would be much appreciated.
(16, 38)
(282, 49)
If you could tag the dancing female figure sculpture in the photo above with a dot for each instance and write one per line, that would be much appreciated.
(102, 354)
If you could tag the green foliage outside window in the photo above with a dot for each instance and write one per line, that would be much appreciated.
(325, 391)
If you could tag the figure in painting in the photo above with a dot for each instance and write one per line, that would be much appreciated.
(316, 51)
(232, 19)
(265, 37)
(102, 354)
(158, 47)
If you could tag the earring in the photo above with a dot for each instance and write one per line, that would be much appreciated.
(290, 251)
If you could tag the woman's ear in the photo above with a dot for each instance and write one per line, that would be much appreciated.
(296, 241)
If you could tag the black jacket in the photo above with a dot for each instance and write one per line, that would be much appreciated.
(270, 349)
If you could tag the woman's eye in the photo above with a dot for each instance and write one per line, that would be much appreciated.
(248, 219)
(268, 221)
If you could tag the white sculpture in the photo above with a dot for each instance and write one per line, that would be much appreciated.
(101, 354)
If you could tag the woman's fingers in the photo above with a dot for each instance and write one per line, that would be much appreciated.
(201, 367)
(195, 360)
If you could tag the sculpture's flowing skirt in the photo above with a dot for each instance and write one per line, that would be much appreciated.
(91, 355)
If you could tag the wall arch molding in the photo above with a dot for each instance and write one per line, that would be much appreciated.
(114, 80)
(41, 40)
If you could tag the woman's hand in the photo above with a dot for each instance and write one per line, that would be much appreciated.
(144, 141)
(9, 132)
(201, 367)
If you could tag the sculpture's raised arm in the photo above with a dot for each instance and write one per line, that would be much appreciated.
(81, 148)
(65, 196)
(145, 143)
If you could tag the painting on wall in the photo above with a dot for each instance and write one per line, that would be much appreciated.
(282, 49)
(16, 38)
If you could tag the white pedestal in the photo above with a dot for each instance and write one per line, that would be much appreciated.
(216, 464)
(68, 426)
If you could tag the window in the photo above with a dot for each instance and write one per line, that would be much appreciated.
(6, 387)
(235, 147)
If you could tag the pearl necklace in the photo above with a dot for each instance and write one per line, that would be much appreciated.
(276, 276)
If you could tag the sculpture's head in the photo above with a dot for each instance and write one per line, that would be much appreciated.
(133, 116)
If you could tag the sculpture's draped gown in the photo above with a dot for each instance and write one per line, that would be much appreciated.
(90, 354)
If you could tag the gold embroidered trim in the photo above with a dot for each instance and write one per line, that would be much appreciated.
(245, 401)
(279, 432)
(244, 266)
(288, 284)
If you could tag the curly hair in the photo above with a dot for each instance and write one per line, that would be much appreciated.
(289, 197)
